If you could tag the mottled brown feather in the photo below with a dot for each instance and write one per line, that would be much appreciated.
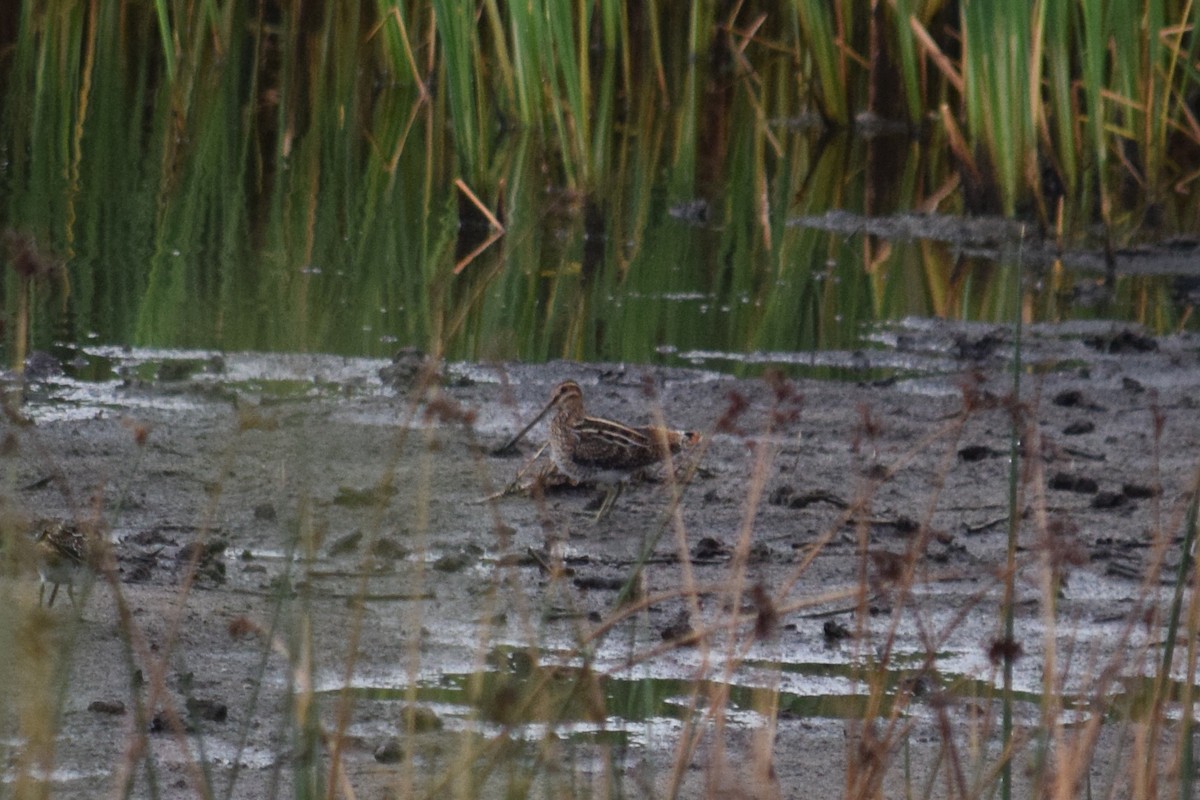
(594, 448)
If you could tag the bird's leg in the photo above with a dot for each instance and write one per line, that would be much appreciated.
(53, 594)
(610, 500)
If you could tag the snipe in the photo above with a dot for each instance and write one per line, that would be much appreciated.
(600, 450)
(64, 552)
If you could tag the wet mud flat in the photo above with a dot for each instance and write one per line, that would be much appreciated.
(308, 571)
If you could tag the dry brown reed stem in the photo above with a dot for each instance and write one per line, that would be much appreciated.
(395, 15)
(497, 232)
(154, 663)
(1048, 584)
(689, 587)
(426, 392)
(345, 706)
(157, 664)
(865, 774)
(517, 593)
(857, 509)
(675, 506)
(156, 667)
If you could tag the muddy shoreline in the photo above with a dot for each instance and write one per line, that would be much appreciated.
(290, 508)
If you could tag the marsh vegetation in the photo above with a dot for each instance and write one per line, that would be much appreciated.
(967, 571)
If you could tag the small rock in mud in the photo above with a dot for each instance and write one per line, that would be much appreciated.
(708, 548)
(388, 548)
(264, 512)
(760, 553)
(968, 349)
(454, 562)
(1066, 482)
(346, 544)
(1137, 491)
(207, 710)
(1069, 398)
(1079, 428)
(1108, 500)
(1124, 341)
(781, 495)
(114, 707)
(679, 629)
(977, 452)
(168, 723)
(919, 686)
(587, 582)
(834, 631)
(390, 751)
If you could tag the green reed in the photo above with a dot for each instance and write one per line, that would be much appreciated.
(215, 177)
(998, 91)
(830, 73)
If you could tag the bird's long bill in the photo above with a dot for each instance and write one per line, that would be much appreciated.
(507, 446)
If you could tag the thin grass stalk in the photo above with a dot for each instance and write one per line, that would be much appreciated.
(1093, 52)
(507, 65)
(821, 48)
(618, 44)
(700, 33)
(656, 50)
(598, 153)
(996, 74)
(397, 42)
(910, 62)
(553, 75)
(84, 95)
(1008, 604)
(526, 71)
(464, 76)
(1187, 557)
(1153, 78)
(1063, 140)
(569, 66)
(1187, 756)
(170, 44)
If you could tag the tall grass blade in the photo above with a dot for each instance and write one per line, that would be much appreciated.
(1008, 608)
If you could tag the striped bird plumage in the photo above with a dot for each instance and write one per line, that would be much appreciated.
(586, 448)
(65, 550)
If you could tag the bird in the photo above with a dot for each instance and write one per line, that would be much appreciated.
(65, 550)
(601, 450)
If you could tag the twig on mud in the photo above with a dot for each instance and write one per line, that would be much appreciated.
(983, 526)
(514, 486)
